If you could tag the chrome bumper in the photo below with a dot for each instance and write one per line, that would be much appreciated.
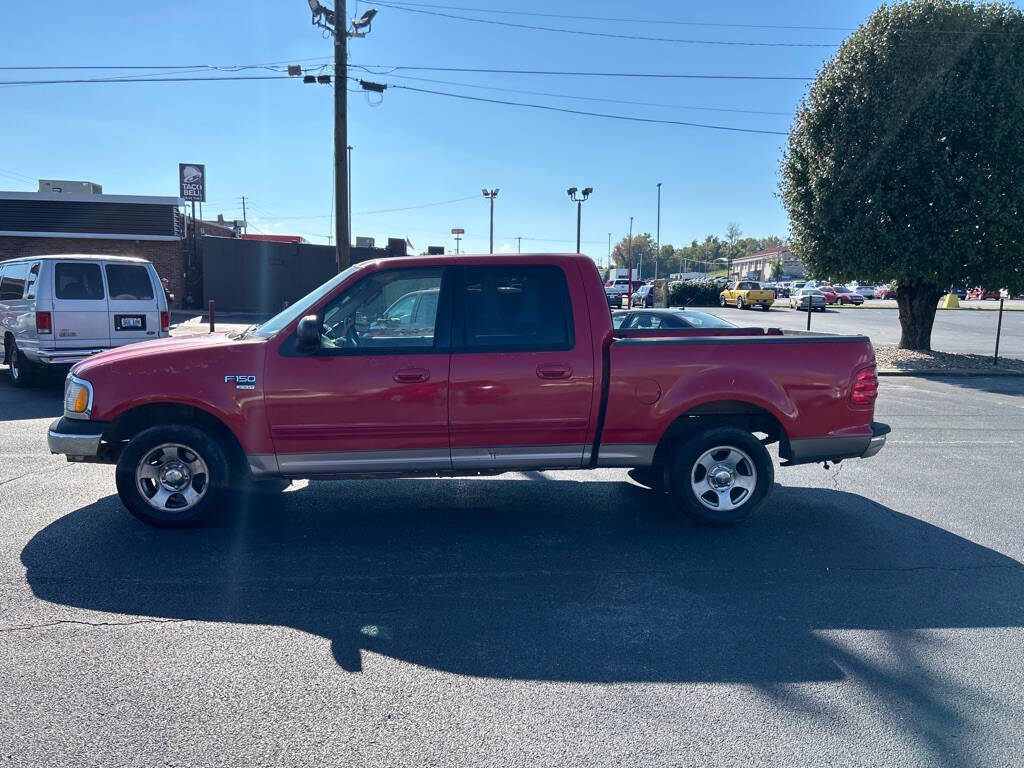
(878, 433)
(75, 438)
(65, 356)
(818, 449)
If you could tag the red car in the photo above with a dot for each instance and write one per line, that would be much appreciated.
(981, 293)
(514, 367)
(843, 295)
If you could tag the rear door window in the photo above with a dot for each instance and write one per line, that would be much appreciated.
(78, 282)
(12, 283)
(33, 278)
(516, 307)
(129, 282)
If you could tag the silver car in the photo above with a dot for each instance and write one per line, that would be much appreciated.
(813, 296)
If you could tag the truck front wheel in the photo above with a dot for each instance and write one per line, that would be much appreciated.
(719, 477)
(173, 476)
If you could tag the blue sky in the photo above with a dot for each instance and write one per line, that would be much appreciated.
(271, 140)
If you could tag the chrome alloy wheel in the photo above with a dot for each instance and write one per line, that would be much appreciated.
(172, 478)
(723, 478)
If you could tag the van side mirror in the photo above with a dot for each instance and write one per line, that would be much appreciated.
(308, 333)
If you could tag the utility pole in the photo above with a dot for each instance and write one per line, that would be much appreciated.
(245, 219)
(629, 298)
(609, 250)
(490, 194)
(584, 194)
(348, 199)
(657, 251)
(341, 233)
(519, 245)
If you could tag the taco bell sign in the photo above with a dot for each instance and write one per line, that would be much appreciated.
(192, 182)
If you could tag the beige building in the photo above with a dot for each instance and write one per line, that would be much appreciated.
(760, 265)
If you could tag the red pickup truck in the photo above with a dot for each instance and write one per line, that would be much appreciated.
(457, 366)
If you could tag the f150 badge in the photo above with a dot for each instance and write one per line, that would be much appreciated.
(241, 382)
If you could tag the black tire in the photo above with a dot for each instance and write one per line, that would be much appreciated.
(683, 474)
(23, 372)
(739, 303)
(840, 301)
(212, 489)
(766, 307)
(721, 301)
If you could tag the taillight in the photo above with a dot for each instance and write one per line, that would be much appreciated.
(865, 387)
(165, 321)
(44, 322)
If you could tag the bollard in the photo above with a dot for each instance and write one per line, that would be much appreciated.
(211, 316)
(999, 330)
(810, 305)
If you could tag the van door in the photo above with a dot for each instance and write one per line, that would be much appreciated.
(79, 306)
(132, 301)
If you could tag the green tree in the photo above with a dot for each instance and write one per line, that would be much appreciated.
(643, 247)
(905, 158)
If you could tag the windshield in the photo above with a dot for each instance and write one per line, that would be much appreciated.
(704, 320)
(285, 317)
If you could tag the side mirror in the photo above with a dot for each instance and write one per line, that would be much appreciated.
(308, 334)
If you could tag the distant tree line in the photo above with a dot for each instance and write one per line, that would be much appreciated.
(711, 255)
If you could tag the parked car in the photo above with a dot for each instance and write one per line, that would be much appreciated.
(842, 295)
(801, 298)
(618, 288)
(982, 293)
(781, 290)
(58, 310)
(658, 319)
(864, 289)
(643, 296)
(829, 293)
(520, 372)
(889, 292)
(746, 294)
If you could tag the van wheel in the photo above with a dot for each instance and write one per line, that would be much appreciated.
(23, 373)
(173, 475)
(719, 477)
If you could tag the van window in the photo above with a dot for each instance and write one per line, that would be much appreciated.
(78, 281)
(33, 278)
(517, 307)
(12, 283)
(129, 282)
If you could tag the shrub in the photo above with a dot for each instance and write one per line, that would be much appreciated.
(694, 293)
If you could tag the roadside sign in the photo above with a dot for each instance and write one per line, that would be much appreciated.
(192, 182)
(458, 231)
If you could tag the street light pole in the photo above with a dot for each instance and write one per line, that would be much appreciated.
(490, 194)
(657, 251)
(348, 199)
(629, 297)
(341, 233)
(609, 250)
(579, 200)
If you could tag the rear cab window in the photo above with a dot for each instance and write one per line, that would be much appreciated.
(129, 282)
(516, 307)
(77, 281)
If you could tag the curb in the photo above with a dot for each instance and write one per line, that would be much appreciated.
(949, 372)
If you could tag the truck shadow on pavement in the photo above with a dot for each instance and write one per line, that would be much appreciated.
(561, 580)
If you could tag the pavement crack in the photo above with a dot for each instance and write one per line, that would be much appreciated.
(82, 622)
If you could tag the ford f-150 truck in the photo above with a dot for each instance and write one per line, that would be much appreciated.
(512, 364)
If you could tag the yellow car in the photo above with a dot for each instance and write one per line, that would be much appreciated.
(746, 294)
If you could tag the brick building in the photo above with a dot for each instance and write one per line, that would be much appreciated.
(76, 217)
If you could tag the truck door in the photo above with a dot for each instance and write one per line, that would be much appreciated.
(522, 370)
(374, 397)
(134, 309)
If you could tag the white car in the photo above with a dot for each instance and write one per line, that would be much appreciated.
(57, 310)
(801, 298)
(864, 289)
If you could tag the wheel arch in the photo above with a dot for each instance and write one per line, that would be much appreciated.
(132, 421)
(743, 414)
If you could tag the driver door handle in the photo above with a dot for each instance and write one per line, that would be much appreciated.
(411, 375)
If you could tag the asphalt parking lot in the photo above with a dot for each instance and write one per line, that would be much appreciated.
(965, 331)
(870, 614)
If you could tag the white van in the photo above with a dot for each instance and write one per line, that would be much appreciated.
(57, 310)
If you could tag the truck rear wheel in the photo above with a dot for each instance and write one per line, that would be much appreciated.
(23, 373)
(719, 477)
(173, 475)
(739, 303)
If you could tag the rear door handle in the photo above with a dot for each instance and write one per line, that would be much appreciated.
(411, 375)
(554, 371)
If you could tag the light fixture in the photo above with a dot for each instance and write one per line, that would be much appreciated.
(572, 192)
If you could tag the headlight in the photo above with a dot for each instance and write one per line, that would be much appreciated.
(77, 398)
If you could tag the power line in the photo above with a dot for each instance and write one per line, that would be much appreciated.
(220, 67)
(145, 80)
(628, 118)
(415, 207)
(626, 20)
(568, 73)
(614, 35)
(591, 98)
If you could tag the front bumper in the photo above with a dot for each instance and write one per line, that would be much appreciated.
(78, 440)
